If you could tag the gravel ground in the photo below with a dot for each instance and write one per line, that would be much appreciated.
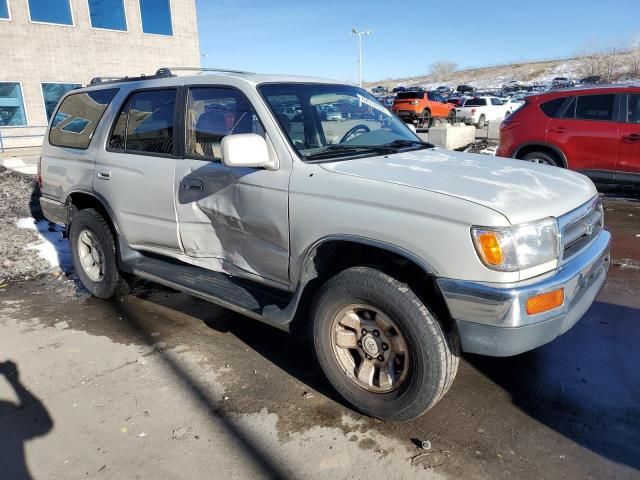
(18, 199)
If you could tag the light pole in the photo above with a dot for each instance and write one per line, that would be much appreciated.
(354, 31)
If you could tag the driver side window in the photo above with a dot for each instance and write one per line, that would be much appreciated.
(212, 114)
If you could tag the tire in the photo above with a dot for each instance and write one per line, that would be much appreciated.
(481, 122)
(541, 157)
(426, 119)
(108, 282)
(452, 117)
(424, 372)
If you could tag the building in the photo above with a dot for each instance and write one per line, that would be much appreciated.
(52, 46)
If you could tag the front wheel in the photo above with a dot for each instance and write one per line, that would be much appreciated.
(541, 157)
(380, 346)
(93, 251)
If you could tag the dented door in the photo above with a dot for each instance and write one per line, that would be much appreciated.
(233, 220)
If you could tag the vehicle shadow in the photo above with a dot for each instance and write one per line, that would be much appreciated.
(584, 385)
(18, 423)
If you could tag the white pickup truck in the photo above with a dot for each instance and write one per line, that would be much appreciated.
(480, 110)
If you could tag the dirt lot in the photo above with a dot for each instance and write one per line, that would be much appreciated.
(162, 385)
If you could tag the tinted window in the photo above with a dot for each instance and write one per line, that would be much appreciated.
(496, 101)
(156, 17)
(595, 107)
(11, 105)
(551, 107)
(570, 112)
(407, 95)
(77, 118)
(52, 92)
(214, 113)
(145, 123)
(475, 102)
(108, 14)
(4, 9)
(51, 11)
(633, 115)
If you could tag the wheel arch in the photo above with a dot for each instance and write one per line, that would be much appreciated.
(332, 254)
(529, 147)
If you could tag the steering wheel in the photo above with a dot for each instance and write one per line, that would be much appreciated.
(353, 130)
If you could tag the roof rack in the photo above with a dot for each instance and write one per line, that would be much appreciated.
(164, 72)
(170, 70)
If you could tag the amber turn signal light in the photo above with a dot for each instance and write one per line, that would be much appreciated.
(545, 302)
(490, 246)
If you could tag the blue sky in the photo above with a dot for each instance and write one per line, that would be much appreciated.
(312, 37)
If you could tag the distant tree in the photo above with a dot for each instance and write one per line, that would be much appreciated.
(442, 70)
(589, 58)
(610, 56)
(634, 56)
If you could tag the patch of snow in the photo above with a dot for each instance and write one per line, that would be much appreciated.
(52, 247)
(489, 150)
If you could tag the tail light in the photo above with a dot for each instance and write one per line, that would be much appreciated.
(473, 110)
(414, 102)
(40, 172)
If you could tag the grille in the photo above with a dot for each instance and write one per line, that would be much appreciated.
(579, 227)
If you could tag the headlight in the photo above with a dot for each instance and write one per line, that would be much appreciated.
(509, 249)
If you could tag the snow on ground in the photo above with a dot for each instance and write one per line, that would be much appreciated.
(52, 246)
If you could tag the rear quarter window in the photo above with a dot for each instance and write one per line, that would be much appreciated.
(77, 118)
(552, 107)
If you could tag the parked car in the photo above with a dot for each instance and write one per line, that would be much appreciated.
(399, 89)
(512, 104)
(380, 89)
(511, 85)
(394, 255)
(388, 100)
(444, 90)
(562, 82)
(422, 107)
(594, 130)
(333, 114)
(590, 79)
(480, 110)
(456, 101)
(465, 89)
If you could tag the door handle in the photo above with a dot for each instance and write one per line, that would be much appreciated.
(632, 137)
(104, 175)
(557, 130)
(192, 184)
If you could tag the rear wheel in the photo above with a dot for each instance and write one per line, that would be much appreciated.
(541, 157)
(380, 346)
(426, 119)
(93, 251)
(481, 122)
(452, 117)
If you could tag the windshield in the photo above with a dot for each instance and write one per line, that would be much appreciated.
(307, 114)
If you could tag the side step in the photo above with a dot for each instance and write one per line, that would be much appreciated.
(255, 300)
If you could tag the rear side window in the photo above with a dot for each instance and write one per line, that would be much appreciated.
(552, 107)
(496, 101)
(145, 123)
(75, 122)
(595, 107)
(410, 95)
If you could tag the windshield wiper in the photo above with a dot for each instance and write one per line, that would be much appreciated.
(407, 143)
(332, 150)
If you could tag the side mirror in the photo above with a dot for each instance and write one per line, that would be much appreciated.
(246, 150)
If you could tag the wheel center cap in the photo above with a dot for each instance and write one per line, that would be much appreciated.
(370, 345)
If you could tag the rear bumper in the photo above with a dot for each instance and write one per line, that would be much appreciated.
(492, 319)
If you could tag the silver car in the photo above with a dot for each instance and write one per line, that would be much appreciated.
(395, 255)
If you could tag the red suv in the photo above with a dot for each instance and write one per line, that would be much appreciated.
(595, 131)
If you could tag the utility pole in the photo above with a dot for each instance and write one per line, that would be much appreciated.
(354, 31)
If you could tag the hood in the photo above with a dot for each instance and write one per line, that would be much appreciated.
(522, 191)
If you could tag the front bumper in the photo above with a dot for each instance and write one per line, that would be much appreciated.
(492, 318)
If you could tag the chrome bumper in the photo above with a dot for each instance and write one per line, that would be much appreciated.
(492, 319)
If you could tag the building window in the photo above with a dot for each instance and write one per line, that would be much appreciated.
(11, 105)
(156, 16)
(77, 118)
(51, 11)
(108, 14)
(52, 92)
(4, 10)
